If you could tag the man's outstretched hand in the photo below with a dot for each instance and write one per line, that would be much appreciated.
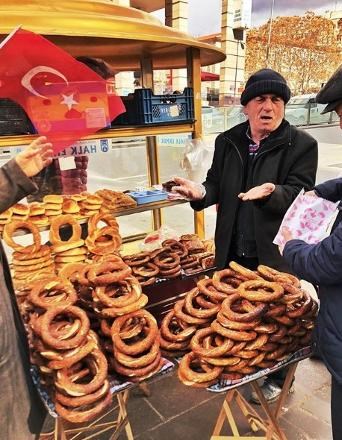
(188, 189)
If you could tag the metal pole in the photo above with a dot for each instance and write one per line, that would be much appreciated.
(236, 66)
(269, 34)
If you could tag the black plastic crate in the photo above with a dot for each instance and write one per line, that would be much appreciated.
(13, 119)
(143, 107)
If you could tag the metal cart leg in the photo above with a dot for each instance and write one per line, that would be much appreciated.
(117, 423)
(267, 423)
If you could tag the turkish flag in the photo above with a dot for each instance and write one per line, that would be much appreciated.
(64, 99)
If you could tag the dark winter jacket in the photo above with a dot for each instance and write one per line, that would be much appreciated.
(288, 158)
(322, 264)
(21, 410)
(332, 190)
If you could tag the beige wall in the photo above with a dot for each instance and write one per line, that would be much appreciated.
(176, 16)
(232, 69)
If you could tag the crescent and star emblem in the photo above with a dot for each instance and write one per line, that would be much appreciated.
(68, 100)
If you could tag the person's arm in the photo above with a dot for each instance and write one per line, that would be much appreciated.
(317, 263)
(330, 190)
(15, 182)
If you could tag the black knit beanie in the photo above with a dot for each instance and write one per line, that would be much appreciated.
(265, 81)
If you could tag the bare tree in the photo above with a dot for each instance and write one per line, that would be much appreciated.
(305, 49)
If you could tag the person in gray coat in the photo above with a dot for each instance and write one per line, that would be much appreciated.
(21, 410)
(321, 264)
(258, 169)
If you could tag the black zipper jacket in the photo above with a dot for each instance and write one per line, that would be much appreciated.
(288, 159)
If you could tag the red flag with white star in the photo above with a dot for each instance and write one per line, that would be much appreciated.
(64, 99)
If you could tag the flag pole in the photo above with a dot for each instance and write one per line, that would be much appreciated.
(9, 36)
(269, 34)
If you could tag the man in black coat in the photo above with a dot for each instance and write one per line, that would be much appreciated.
(322, 264)
(258, 169)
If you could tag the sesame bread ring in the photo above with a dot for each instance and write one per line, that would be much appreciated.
(108, 272)
(71, 272)
(95, 219)
(259, 342)
(71, 312)
(236, 335)
(167, 262)
(75, 355)
(180, 314)
(197, 344)
(270, 274)
(76, 402)
(131, 329)
(98, 366)
(120, 294)
(205, 303)
(235, 325)
(188, 372)
(206, 286)
(43, 251)
(137, 259)
(246, 273)
(286, 320)
(171, 330)
(222, 281)
(199, 313)
(12, 227)
(171, 346)
(146, 270)
(259, 290)
(136, 372)
(191, 383)
(170, 273)
(301, 308)
(147, 281)
(227, 309)
(34, 267)
(109, 246)
(189, 262)
(73, 252)
(64, 220)
(31, 261)
(52, 292)
(68, 245)
(143, 360)
(113, 312)
(176, 247)
(70, 259)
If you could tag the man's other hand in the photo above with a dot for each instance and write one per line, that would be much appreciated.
(258, 192)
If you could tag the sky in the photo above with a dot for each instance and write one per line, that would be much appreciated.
(204, 15)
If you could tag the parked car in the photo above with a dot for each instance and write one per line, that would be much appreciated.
(304, 110)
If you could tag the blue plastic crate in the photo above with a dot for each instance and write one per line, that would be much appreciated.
(143, 107)
(148, 196)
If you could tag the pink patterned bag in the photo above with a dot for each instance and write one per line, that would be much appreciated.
(308, 218)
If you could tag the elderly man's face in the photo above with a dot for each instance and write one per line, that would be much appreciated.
(338, 110)
(265, 113)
